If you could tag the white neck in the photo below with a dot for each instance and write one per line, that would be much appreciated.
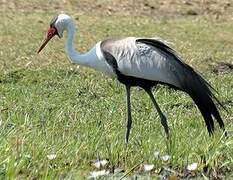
(93, 58)
(75, 56)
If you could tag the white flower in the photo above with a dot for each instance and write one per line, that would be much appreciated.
(156, 154)
(165, 157)
(100, 163)
(192, 167)
(51, 156)
(148, 167)
(118, 170)
(96, 174)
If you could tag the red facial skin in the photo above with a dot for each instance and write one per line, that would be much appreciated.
(52, 31)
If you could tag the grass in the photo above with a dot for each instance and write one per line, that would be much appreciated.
(49, 106)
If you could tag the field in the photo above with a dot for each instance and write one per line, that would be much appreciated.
(58, 118)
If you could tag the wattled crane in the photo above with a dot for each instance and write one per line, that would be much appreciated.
(143, 62)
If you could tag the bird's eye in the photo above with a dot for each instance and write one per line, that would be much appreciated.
(51, 31)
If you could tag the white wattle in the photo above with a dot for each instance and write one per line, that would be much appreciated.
(93, 58)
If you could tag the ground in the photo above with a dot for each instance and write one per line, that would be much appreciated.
(57, 118)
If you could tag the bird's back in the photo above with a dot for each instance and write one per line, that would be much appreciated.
(141, 60)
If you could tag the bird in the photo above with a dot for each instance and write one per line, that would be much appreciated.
(141, 62)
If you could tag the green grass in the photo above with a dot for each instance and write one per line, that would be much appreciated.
(49, 106)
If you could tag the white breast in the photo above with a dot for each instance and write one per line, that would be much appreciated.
(100, 63)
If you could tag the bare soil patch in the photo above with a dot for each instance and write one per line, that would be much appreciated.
(159, 8)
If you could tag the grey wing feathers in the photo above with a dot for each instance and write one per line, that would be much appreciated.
(168, 51)
(141, 60)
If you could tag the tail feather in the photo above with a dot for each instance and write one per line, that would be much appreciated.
(199, 91)
(206, 106)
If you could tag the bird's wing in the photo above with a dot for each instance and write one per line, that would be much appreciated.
(148, 59)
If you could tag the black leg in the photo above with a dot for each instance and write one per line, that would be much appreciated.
(163, 118)
(129, 119)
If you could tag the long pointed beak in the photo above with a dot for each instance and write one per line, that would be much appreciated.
(52, 31)
(46, 40)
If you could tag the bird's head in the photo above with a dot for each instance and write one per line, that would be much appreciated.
(57, 26)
